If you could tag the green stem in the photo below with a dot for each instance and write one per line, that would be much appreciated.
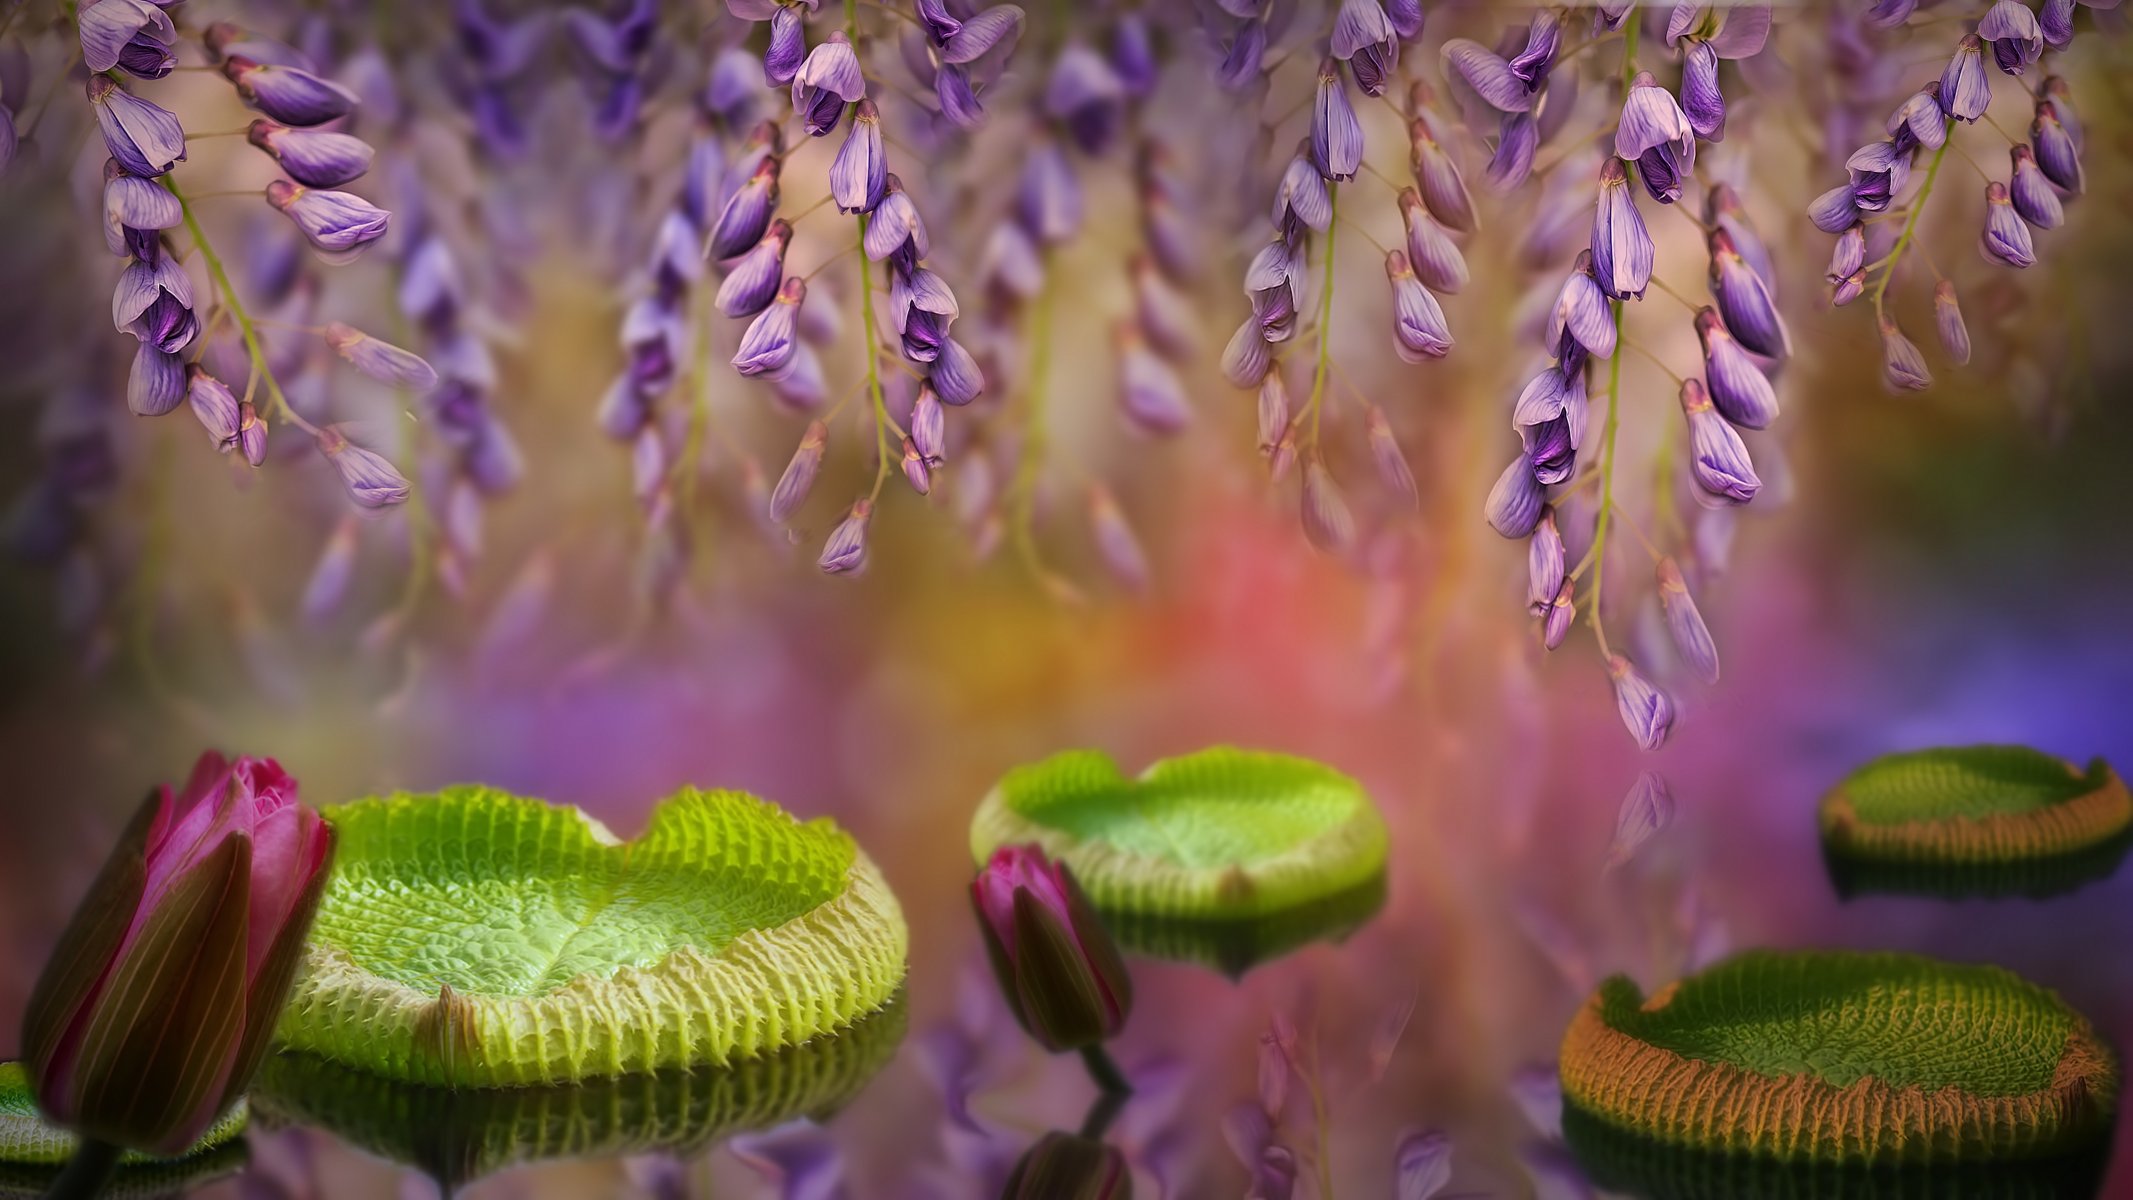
(866, 321)
(1598, 554)
(1105, 1072)
(237, 312)
(1918, 208)
(87, 1173)
(1325, 310)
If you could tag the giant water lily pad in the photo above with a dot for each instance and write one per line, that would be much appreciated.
(1974, 807)
(1845, 1057)
(476, 938)
(1234, 947)
(32, 1150)
(456, 1136)
(1224, 833)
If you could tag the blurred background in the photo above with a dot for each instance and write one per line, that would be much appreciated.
(1927, 568)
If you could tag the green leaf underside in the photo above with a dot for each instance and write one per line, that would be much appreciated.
(1211, 809)
(1902, 1019)
(497, 895)
(27, 1138)
(1966, 781)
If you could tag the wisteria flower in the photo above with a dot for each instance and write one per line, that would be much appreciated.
(1418, 325)
(1270, 282)
(1431, 251)
(1739, 389)
(1903, 368)
(2011, 30)
(1443, 189)
(751, 283)
(1300, 199)
(154, 303)
(156, 383)
(290, 95)
(1685, 624)
(1965, 90)
(746, 214)
(1489, 75)
(845, 553)
(133, 36)
(1948, 323)
(339, 225)
(145, 139)
(828, 80)
(382, 361)
(1580, 319)
(2006, 238)
(1622, 249)
(1515, 502)
(1718, 459)
(858, 176)
(1150, 394)
(1545, 571)
(2058, 155)
(769, 343)
(1328, 524)
(1336, 134)
(313, 157)
(136, 211)
(2031, 192)
(1646, 711)
(1744, 301)
(923, 309)
(1656, 135)
(1878, 171)
(1364, 38)
(896, 232)
(1919, 121)
(1087, 97)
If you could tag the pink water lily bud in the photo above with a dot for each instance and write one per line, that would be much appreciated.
(1061, 974)
(223, 876)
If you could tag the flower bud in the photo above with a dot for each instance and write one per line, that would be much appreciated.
(145, 139)
(1245, 359)
(1646, 711)
(1744, 301)
(768, 346)
(1562, 612)
(1544, 563)
(1116, 544)
(1622, 249)
(2033, 195)
(1418, 326)
(290, 95)
(827, 80)
(1903, 368)
(1685, 624)
(1393, 471)
(1738, 387)
(1646, 809)
(858, 176)
(339, 225)
(1056, 964)
(2058, 151)
(372, 482)
(1965, 91)
(1336, 134)
(916, 472)
(313, 157)
(929, 425)
(1062, 1166)
(1326, 519)
(1515, 502)
(1431, 251)
(845, 553)
(1150, 393)
(1718, 459)
(1443, 190)
(1948, 322)
(800, 473)
(388, 364)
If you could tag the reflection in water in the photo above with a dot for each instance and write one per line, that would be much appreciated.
(1622, 1162)
(459, 1136)
(1234, 947)
(2035, 878)
(1075, 1166)
(134, 1181)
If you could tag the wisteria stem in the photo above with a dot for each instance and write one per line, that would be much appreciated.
(1325, 310)
(881, 408)
(1597, 555)
(235, 306)
(1918, 207)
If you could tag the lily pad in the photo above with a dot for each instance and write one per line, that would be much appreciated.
(1234, 947)
(1973, 806)
(32, 1150)
(456, 1136)
(477, 938)
(1844, 1057)
(1224, 833)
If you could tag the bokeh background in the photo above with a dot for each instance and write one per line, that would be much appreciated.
(1941, 567)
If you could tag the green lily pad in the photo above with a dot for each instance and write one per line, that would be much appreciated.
(1845, 1057)
(1974, 806)
(456, 1136)
(33, 1150)
(1236, 946)
(1224, 833)
(476, 938)
(1624, 1163)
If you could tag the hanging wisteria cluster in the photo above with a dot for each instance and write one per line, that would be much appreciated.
(860, 239)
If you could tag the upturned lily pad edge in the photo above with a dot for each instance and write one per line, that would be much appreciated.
(1338, 860)
(1664, 1097)
(2094, 817)
(767, 989)
(28, 1140)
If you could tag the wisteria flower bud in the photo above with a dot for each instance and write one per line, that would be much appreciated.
(1948, 322)
(1240, 62)
(215, 407)
(1580, 319)
(135, 211)
(975, 36)
(1336, 134)
(1544, 563)
(916, 472)
(752, 282)
(768, 345)
(1431, 252)
(2033, 195)
(1056, 964)
(1418, 327)
(1301, 199)
(1562, 613)
(799, 476)
(923, 309)
(1326, 519)
(290, 95)
(1848, 257)
(845, 553)
(1965, 90)
(2011, 31)
(1133, 57)
(2055, 21)
(955, 375)
(1515, 502)
(339, 225)
(251, 434)
(1550, 419)
(1903, 368)
(2006, 238)
(929, 425)
(1488, 74)
(2058, 153)
(1273, 410)
(1701, 99)
(1848, 288)
(1086, 97)
(1739, 389)
(1517, 137)
(1245, 359)
(1150, 394)
(1271, 284)
(133, 36)
(1048, 195)
(895, 231)
(155, 304)
(1622, 249)
(372, 482)
(1116, 543)
(1919, 119)
(828, 80)
(1656, 135)
(1647, 809)
(1364, 38)
(156, 383)
(858, 177)
(1718, 458)
(747, 212)
(386, 363)
(1888, 14)
(1745, 303)
(1168, 317)
(146, 140)
(788, 46)
(1878, 172)
(314, 158)
(1835, 210)
(1443, 189)
(1647, 712)
(1282, 456)
(958, 99)
(1385, 455)
(1685, 624)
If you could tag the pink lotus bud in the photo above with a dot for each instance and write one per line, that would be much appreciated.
(1061, 974)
